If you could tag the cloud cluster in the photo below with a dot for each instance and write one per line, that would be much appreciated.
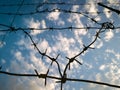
(26, 58)
(32, 23)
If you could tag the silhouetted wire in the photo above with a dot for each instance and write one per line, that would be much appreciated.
(63, 77)
(84, 49)
(103, 26)
(49, 28)
(16, 12)
(58, 78)
(11, 24)
(54, 3)
(51, 58)
(54, 10)
(112, 9)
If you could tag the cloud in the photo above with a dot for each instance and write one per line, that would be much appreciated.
(108, 35)
(2, 43)
(111, 1)
(32, 23)
(19, 56)
(3, 61)
(107, 13)
(64, 44)
(26, 58)
(26, 64)
(75, 8)
(53, 15)
(97, 44)
(24, 83)
(102, 67)
(60, 22)
(92, 7)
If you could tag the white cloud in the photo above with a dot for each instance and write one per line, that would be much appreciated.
(98, 77)
(31, 23)
(27, 64)
(53, 16)
(92, 7)
(107, 13)
(75, 19)
(111, 1)
(102, 67)
(19, 56)
(2, 43)
(64, 43)
(117, 55)
(37, 63)
(43, 45)
(43, 24)
(3, 61)
(108, 35)
(75, 8)
(60, 22)
(97, 44)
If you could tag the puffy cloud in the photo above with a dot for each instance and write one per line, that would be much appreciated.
(60, 22)
(92, 7)
(53, 15)
(108, 35)
(111, 1)
(18, 56)
(2, 43)
(102, 67)
(97, 44)
(63, 44)
(32, 23)
(75, 8)
(107, 13)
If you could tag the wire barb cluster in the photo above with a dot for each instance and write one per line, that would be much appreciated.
(63, 76)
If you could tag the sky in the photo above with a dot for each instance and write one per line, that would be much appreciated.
(18, 55)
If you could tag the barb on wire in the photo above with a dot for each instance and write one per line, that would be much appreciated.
(108, 25)
(63, 80)
(105, 25)
(55, 60)
(58, 78)
(70, 28)
(42, 75)
(44, 53)
(71, 60)
(33, 43)
(84, 49)
(10, 28)
(97, 34)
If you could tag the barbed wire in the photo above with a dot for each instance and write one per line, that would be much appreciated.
(70, 28)
(112, 9)
(62, 75)
(58, 78)
(54, 3)
(53, 10)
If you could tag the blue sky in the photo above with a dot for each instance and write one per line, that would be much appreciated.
(18, 55)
